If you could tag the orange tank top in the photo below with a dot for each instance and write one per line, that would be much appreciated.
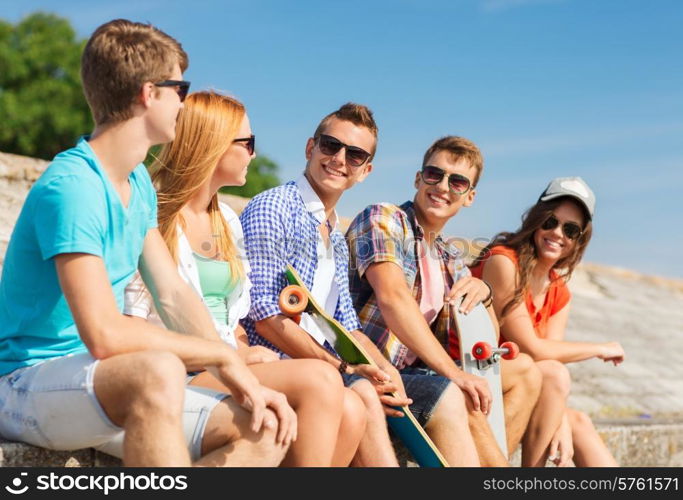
(557, 296)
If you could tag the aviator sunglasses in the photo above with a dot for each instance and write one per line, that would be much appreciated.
(570, 229)
(459, 184)
(331, 145)
(182, 87)
(249, 142)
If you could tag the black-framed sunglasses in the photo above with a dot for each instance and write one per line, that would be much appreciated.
(457, 183)
(329, 145)
(182, 87)
(570, 229)
(249, 142)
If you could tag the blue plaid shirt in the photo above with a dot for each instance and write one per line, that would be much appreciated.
(280, 230)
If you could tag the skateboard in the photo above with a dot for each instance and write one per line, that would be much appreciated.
(480, 356)
(296, 299)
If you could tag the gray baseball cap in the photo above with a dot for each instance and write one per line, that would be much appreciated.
(574, 187)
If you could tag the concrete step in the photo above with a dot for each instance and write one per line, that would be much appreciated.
(633, 443)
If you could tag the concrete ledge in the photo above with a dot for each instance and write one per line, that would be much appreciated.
(633, 443)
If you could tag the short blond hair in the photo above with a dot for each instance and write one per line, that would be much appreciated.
(458, 147)
(355, 113)
(118, 59)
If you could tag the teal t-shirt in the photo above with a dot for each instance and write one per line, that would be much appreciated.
(72, 208)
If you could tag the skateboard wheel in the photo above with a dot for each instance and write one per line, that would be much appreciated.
(293, 300)
(481, 351)
(296, 318)
(513, 350)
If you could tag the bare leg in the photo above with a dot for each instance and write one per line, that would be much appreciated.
(521, 380)
(375, 449)
(143, 392)
(546, 417)
(489, 452)
(351, 430)
(449, 429)
(228, 440)
(589, 448)
(315, 392)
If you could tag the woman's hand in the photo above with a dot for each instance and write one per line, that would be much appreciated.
(561, 449)
(612, 351)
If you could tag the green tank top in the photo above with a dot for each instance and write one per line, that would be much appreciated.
(215, 278)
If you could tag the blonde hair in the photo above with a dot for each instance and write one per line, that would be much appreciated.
(207, 125)
(118, 59)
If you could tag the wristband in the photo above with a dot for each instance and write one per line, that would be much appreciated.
(342, 367)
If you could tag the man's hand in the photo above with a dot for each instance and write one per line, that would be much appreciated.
(477, 388)
(257, 354)
(390, 393)
(287, 420)
(612, 351)
(561, 448)
(254, 397)
(474, 289)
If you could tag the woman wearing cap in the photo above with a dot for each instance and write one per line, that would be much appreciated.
(528, 270)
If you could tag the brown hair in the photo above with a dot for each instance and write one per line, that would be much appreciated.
(355, 113)
(118, 59)
(522, 242)
(458, 147)
(206, 127)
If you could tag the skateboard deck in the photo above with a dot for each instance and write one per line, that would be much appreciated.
(480, 355)
(296, 299)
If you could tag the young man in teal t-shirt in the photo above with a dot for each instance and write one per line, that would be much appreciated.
(74, 371)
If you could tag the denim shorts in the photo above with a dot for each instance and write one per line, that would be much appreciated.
(53, 405)
(425, 387)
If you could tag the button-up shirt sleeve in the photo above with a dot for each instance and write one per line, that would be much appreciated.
(377, 235)
(265, 229)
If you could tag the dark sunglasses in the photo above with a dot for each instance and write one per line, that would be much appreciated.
(182, 87)
(249, 142)
(331, 145)
(459, 184)
(570, 229)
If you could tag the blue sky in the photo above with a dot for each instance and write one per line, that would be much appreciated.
(546, 88)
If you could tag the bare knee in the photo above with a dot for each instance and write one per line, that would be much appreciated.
(158, 382)
(522, 372)
(229, 424)
(354, 417)
(555, 377)
(370, 400)
(580, 422)
(450, 409)
(321, 379)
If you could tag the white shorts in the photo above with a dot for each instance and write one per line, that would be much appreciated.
(52, 405)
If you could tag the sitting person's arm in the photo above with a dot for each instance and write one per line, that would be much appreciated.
(403, 317)
(106, 332)
(265, 226)
(517, 326)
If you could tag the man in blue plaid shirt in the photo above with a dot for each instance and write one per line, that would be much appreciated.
(297, 224)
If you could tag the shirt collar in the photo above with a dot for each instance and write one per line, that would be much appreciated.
(313, 203)
(446, 246)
